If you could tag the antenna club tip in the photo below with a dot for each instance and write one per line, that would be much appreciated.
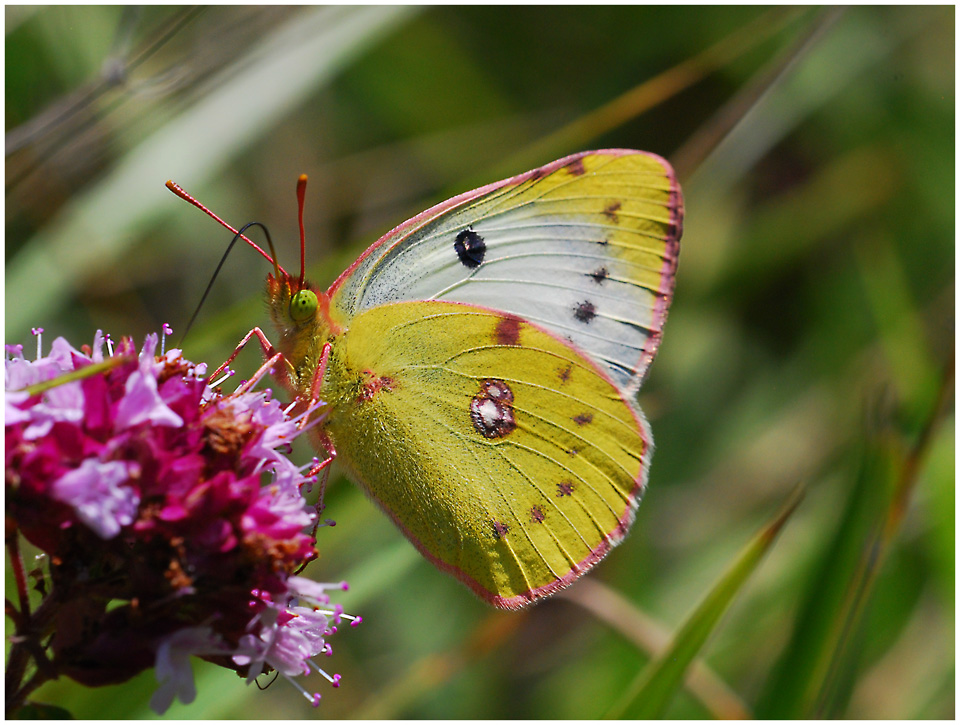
(302, 179)
(170, 185)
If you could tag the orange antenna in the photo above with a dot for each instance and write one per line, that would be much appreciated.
(178, 190)
(301, 193)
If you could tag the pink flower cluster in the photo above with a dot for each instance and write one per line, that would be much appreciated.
(173, 522)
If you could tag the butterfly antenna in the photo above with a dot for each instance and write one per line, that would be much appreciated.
(238, 235)
(301, 193)
(178, 190)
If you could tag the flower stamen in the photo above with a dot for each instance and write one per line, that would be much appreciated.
(38, 333)
(167, 330)
(312, 698)
(332, 679)
(228, 373)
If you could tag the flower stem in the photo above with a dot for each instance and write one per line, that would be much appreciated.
(30, 628)
(16, 698)
(16, 562)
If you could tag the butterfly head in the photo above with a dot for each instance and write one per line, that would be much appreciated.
(300, 312)
(297, 307)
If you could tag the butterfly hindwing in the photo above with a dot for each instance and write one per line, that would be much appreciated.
(585, 247)
(505, 455)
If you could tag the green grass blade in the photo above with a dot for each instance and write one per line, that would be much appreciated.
(800, 672)
(653, 637)
(656, 685)
(814, 673)
(834, 690)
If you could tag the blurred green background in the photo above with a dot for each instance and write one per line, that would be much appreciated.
(811, 338)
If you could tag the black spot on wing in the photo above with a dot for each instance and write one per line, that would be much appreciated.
(599, 275)
(584, 311)
(470, 248)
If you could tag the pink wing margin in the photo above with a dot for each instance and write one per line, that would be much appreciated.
(668, 277)
(670, 257)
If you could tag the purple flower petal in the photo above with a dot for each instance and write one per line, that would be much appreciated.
(147, 358)
(285, 642)
(20, 372)
(313, 591)
(94, 492)
(277, 513)
(62, 353)
(142, 404)
(97, 355)
(173, 669)
(11, 413)
(62, 403)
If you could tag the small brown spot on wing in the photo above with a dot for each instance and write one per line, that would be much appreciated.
(583, 418)
(536, 514)
(500, 529)
(675, 227)
(564, 488)
(565, 373)
(576, 167)
(537, 174)
(507, 331)
(611, 211)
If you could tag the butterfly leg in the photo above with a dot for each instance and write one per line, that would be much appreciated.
(315, 385)
(321, 466)
(261, 371)
(324, 439)
(269, 350)
(324, 466)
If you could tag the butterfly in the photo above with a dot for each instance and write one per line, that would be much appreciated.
(479, 366)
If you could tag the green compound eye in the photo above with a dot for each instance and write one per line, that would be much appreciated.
(303, 305)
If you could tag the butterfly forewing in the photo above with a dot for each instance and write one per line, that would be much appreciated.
(508, 457)
(585, 247)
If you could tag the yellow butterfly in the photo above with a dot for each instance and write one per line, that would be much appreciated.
(480, 364)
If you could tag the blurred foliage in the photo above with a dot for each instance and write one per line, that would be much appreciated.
(811, 338)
